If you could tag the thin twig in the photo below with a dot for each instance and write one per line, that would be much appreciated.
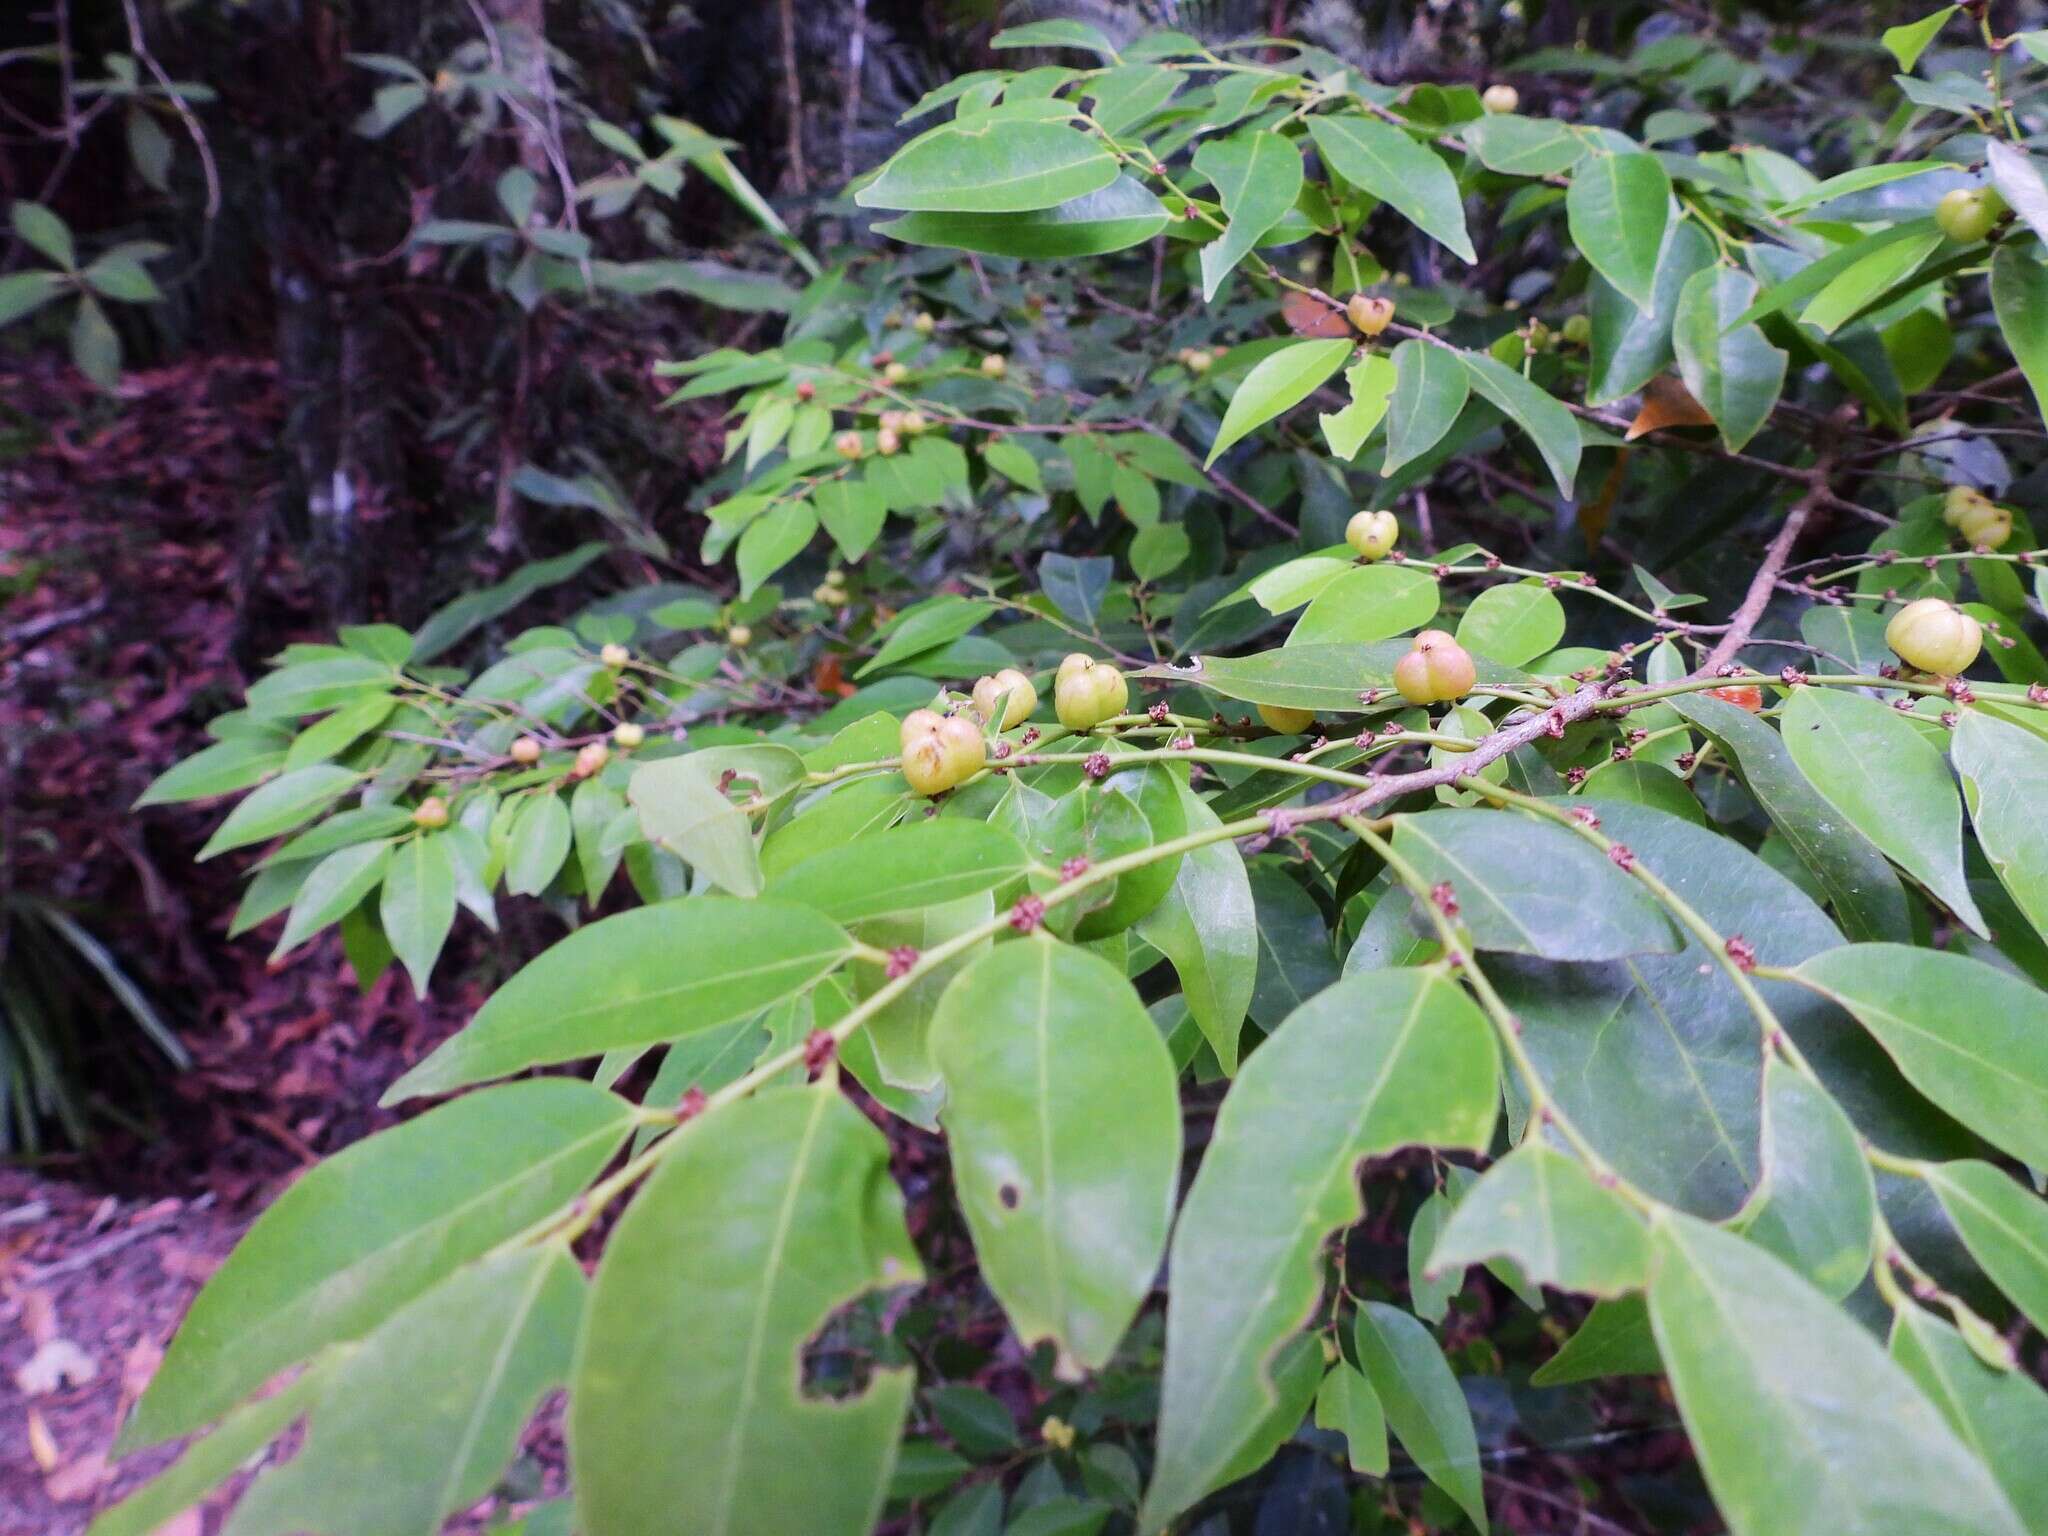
(1765, 581)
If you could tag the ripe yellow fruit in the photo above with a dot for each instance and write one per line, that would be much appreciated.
(1288, 722)
(1935, 636)
(1976, 516)
(591, 758)
(525, 750)
(966, 749)
(431, 813)
(925, 766)
(1023, 698)
(896, 373)
(738, 637)
(825, 595)
(1436, 671)
(890, 421)
(994, 366)
(1372, 534)
(887, 442)
(1083, 699)
(1968, 214)
(913, 423)
(917, 724)
(1200, 360)
(615, 656)
(628, 735)
(1072, 662)
(1500, 98)
(923, 324)
(1371, 316)
(848, 445)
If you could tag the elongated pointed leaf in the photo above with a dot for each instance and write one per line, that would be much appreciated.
(1543, 1210)
(658, 973)
(1430, 389)
(684, 806)
(688, 1393)
(1381, 159)
(2019, 296)
(2002, 1416)
(2005, 784)
(1347, 1403)
(1631, 346)
(418, 905)
(1279, 382)
(1970, 1036)
(1513, 624)
(1207, 926)
(1730, 369)
(904, 869)
(1524, 146)
(1382, 1059)
(1614, 1340)
(1816, 1207)
(1065, 1130)
(287, 801)
(1424, 1407)
(1617, 207)
(1888, 782)
(1800, 1420)
(2004, 1226)
(1549, 425)
(1257, 175)
(1532, 888)
(332, 889)
(434, 1400)
(1368, 603)
(991, 165)
(372, 1227)
(1371, 383)
(1120, 215)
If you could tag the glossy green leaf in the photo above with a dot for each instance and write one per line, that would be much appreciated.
(1970, 1036)
(1430, 389)
(540, 842)
(1524, 146)
(900, 1034)
(332, 889)
(1855, 876)
(1730, 369)
(1113, 218)
(687, 804)
(1907, 41)
(1424, 1406)
(1864, 281)
(1631, 346)
(434, 1400)
(1368, 603)
(2004, 770)
(2005, 1227)
(771, 541)
(2017, 177)
(991, 165)
(1278, 382)
(373, 1226)
(2019, 297)
(1371, 382)
(1257, 175)
(2002, 1416)
(1430, 1292)
(1207, 926)
(1551, 427)
(655, 973)
(287, 801)
(418, 904)
(1379, 158)
(1888, 782)
(1816, 1205)
(1347, 1403)
(1512, 624)
(1614, 1340)
(1800, 1420)
(1325, 678)
(1295, 959)
(220, 769)
(1617, 207)
(1381, 1060)
(687, 1395)
(1545, 1211)
(1064, 1123)
(1530, 887)
(904, 868)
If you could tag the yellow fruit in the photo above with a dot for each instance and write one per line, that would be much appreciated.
(1959, 502)
(994, 366)
(1371, 316)
(1023, 698)
(738, 637)
(925, 767)
(526, 750)
(1085, 698)
(848, 445)
(628, 735)
(966, 749)
(924, 324)
(1935, 636)
(1372, 534)
(1435, 671)
(1200, 360)
(825, 595)
(1967, 215)
(918, 724)
(615, 656)
(591, 758)
(1987, 527)
(887, 442)
(1500, 98)
(890, 421)
(896, 373)
(1288, 722)
(914, 422)
(431, 814)
(1074, 661)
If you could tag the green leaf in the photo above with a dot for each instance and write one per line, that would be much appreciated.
(1512, 624)
(1257, 175)
(333, 888)
(771, 541)
(765, 1218)
(1379, 158)
(899, 1036)
(1888, 782)
(1430, 1292)
(1367, 603)
(925, 627)
(1970, 1036)
(435, 1400)
(684, 806)
(1730, 369)
(373, 1226)
(418, 905)
(1909, 40)
(1631, 346)
(287, 801)
(1617, 207)
(2004, 770)
(1816, 1205)
(1810, 278)
(1549, 425)
(95, 346)
(23, 293)
(1424, 1406)
(1324, 678)
(45, 231)
(1531, 887)
(853, 513)
(1280, 381)
(1371, 382)
(1347, 1403)
(2004, 1226)
(1524, 146)
(991, 164)
(312, 687)
(1614, 1340)
(1013, 464)
(1295, 962)
(220, 769)
(2000, 1415)
(1060, 33)
(1858, 882)
(1207, 927)
(657, 973)
(2017, 177)
(979, 1422)
(1543, 1210)
(904, 869)
(1799, 1419)
(1430, 389)
(1381, 1060)
(123, 279)
(1120, 215)
(1064, 1123)
(2019, 297)
(539, 844)
(1854, 289)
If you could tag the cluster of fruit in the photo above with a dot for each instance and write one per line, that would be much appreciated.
(1982, 522)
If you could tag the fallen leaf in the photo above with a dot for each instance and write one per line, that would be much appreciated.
(1667, 403)
(1306, 316)
(42, 1445)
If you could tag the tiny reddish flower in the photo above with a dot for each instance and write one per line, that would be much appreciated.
(1621, 857)
(1097, 765)
(1443, 898)
(819, 1047)
(1074, 868)
(901, 961)
(1158, 713)
(691, 1105)
(1027, 914)
(1742, 952)
(1585, 816)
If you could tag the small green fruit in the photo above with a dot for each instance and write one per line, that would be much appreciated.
(1966, 215)
(1372, 534)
